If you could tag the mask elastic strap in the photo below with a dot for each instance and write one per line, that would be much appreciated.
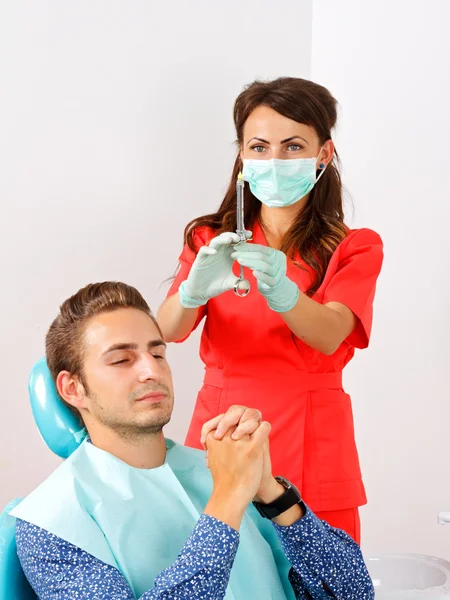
(322, 171)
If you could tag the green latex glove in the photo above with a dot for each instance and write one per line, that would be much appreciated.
(269, 267)
(211, 273)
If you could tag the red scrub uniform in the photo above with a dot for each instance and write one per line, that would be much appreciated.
(253, 359)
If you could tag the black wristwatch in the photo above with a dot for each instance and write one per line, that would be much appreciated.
(290, 498)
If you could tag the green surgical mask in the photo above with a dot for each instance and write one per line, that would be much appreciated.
(278, 182)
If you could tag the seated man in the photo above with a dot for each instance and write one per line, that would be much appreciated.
(132, 515)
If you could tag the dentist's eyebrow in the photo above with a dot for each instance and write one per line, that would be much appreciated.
(258, 140)
(282, 141)
(293, 138)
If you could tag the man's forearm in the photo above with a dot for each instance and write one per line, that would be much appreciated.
(274, 491)
(202, 568)
(226, 507)
(203, 565)
(324, 557)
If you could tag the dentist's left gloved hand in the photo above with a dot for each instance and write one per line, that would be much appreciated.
(269, 267)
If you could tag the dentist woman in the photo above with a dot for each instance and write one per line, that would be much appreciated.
(282, 348)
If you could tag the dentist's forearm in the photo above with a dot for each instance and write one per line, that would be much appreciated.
(175, 320)
(321, 327)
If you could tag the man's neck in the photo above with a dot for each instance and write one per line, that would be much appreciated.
(142, 451)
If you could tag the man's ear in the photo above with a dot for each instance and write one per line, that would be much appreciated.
(71, 389)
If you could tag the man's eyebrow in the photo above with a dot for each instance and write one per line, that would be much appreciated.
(156, 343)
(130, 346)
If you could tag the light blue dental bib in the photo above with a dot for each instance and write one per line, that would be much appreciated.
(137, 520)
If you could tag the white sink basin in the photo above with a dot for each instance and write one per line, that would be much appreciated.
(409, 576)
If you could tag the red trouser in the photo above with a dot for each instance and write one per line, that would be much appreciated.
(348, 520)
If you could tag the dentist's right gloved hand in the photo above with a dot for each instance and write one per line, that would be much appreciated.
(211, 273)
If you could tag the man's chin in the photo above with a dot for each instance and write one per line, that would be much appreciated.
(152, 423)
(140, 428)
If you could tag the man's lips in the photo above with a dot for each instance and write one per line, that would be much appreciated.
(152, 397)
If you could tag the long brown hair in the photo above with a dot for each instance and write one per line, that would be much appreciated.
(319, 228)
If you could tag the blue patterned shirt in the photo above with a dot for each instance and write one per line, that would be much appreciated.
(317, 552)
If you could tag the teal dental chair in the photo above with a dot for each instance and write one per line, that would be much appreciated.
(62, 433)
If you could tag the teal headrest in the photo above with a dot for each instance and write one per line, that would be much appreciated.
(58, 426)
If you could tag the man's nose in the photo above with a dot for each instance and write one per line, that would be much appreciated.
(149, 368)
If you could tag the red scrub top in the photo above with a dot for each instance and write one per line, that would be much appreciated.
(253, 359)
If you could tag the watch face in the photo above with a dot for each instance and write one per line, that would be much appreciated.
(287, 484)
(288, 499)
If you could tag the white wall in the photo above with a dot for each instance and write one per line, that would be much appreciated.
(115, 131)
(112, 114)
(387, 63)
